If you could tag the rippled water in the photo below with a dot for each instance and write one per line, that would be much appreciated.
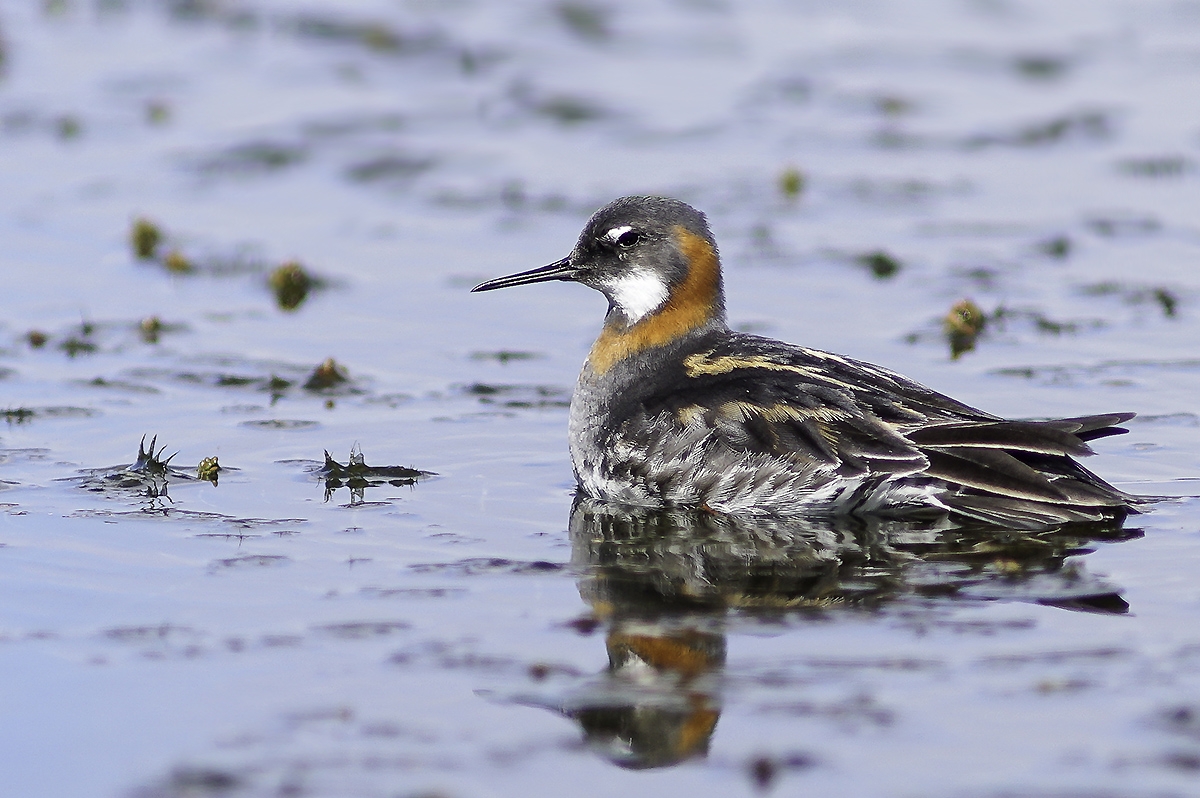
(343, 625)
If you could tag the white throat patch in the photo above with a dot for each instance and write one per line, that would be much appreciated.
(638, 294)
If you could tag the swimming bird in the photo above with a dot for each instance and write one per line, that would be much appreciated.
(675, 409)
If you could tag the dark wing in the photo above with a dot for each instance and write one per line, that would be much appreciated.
(855, 418)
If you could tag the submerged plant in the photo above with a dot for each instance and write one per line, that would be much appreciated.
(880, 263)
(962, 326)
(358, 476)
(791, 182)
(291, 284)
(144, 237)
(178, 263)
(209, 469)
(325, 376)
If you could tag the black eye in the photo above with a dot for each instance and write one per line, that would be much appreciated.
(629, 238)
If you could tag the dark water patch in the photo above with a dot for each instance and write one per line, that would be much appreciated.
(412, 592)
(149, 634)
(478, 566)
(561, 108)
(1121, 370)
(881, 264)
(1056, 657)
(903, 191)
(122, 386)
(1121, 224)
(857, 711)
(249, 159)
(24, 415)
(330, 377)
(1041, 66)
(519, 396)
(1166, 299)
(393, 169)
(589, 22)
(513, 196)
(375, 36)
(1156, 166)
(251, 561)
(1057, 247)
(506, 356)
(363, 630)
(1170, 419)
(1182, 720)
(764, 771)
(1071, 127)
(196, 781)
(63, 126)
(280, 424)
(345, 126)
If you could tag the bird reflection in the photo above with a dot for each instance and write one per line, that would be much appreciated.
(662, 583)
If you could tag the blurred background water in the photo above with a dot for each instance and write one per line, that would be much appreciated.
(204, 202)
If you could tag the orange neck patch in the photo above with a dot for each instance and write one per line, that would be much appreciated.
(691, 304)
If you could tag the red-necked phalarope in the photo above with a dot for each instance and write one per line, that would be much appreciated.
(674, 409)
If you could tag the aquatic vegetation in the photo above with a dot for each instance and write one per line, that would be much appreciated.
(209, 469)
(962, 326)
(389, 168)
(1123, 225)
(358, 476)
(178, 263)
(1058, 247)
(329, 374)
(1160, 166)
(158, 112)
(252, 158)
(1086, 125)
(147, 478)
(81, 344)
(22, 415)
(587, 21)
(791, 182)
(1041, 66)
(18, 415)
(68, 127)
(150, 328)
(36, 338)
(375, 35)
(291, 284)
(881, 264)
(145, 237)
(520, 396)
(1165, 298)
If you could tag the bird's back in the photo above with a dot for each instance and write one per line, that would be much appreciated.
(743, 424)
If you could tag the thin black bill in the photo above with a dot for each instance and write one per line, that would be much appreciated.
(559, 270)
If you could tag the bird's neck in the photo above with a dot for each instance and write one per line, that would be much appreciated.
(694, 307)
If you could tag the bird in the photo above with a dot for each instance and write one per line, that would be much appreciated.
(673, 409)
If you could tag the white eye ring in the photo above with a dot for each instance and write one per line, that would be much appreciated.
(615, 233)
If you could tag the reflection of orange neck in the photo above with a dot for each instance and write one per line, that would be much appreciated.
(698, 728)
(685, 653)
(692, 303)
